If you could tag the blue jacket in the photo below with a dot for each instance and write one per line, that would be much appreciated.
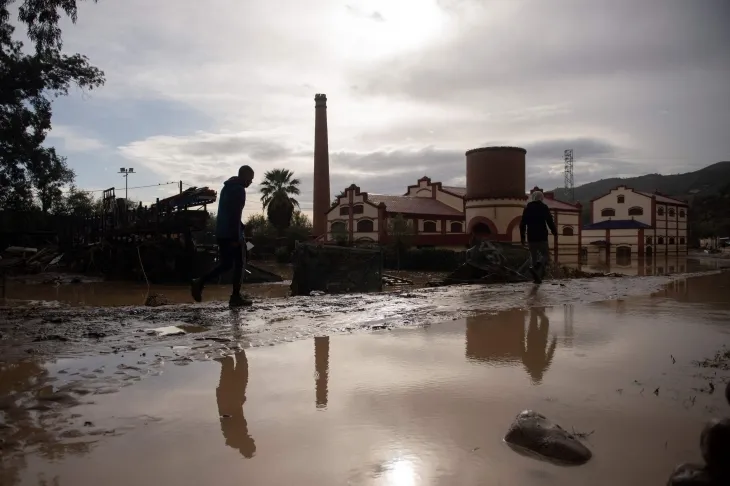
(231, 201)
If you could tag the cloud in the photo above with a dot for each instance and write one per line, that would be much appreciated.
(358, 12)
(195, 90)
(73, 139)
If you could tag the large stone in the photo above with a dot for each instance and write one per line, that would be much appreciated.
(534, 432)
(715, 447)
(690, 475)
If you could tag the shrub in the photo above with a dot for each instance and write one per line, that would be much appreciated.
(283, 255)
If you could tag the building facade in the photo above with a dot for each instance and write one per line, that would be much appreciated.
(626, 223)
(439, 217)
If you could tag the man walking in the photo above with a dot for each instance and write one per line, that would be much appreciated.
(536, 219)
(229, 233)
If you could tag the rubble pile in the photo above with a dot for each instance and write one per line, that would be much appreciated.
(16, 259)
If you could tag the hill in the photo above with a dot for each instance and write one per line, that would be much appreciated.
(700, 183)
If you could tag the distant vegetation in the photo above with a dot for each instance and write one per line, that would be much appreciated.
(702, 189)
(277, 196)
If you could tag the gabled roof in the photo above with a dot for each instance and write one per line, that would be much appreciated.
(414, 205)
(662, 198)
(617, 224)
(555, 204)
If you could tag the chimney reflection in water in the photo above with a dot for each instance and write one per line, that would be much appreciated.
(321, 369)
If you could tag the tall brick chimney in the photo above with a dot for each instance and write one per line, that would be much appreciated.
(321, 189)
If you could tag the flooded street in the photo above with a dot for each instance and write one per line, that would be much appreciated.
(409, 388)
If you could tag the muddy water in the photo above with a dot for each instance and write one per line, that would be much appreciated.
(98, 293)
(424, 406)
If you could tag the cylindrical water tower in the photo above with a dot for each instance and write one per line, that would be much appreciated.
(495, 191)
(495, 172)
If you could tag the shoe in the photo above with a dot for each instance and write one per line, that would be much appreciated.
(237, 300)
(196, 289)
(535, 275)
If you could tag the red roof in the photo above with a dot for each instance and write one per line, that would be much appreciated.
(414, 205)
(555, 204)
(662, 199)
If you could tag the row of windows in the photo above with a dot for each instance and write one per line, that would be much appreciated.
(634, 211)
(660, 240)
(366, 226)
(345, 210)
(660, 212)
(637, 211)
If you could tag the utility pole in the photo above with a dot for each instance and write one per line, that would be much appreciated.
(180, 187)
(569, 181)
(126, 173)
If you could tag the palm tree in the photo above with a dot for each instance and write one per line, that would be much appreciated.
(277, 189)
(279, 182)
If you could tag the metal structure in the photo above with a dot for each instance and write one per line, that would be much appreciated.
(126, 173)
(569, 182)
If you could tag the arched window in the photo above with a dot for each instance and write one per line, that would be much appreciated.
(344, 210)
(429, 226)
(660, 211)
(671, 241)
(358, 209)
(481, 229)
(671, 212)
(620, 199)
(364, 226)
(636, 211)
(608, 212)
(567, 231)
(681, 213)
(648, 240)
(660, 241)
(457, 227)
(338, 227)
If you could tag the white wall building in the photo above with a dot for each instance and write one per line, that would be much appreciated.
(626, 223)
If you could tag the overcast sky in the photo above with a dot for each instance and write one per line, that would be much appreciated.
(195, 89)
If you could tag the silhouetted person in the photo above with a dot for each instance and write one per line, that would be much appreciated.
(536, 219)
(321, 368)
(231, 395)
(537, 355)
(229, 233)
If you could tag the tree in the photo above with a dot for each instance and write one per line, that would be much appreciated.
(277, 191)
(29, 81)
(78, 203)
(400, 235)
(336, 200)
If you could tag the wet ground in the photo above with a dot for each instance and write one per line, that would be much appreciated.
(409, 388)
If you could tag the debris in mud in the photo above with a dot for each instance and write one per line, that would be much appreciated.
(533, 432)
(156, 300)
(721, 360)
(50, 337)
(166, 331)
(497, 262)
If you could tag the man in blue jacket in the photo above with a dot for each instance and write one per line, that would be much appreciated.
(536, 219)
(229, 233)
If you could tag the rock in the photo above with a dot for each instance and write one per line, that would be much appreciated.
(536, 433)
(690, 475)
(715, 447)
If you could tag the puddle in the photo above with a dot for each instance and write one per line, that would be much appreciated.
(426, 406)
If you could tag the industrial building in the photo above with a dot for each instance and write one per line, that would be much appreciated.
(626, 224)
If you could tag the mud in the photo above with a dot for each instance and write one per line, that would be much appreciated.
(424, 399)
(35, 329)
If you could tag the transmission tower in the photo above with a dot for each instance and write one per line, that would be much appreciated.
(569, 183)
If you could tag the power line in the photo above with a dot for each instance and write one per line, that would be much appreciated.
(120, 188)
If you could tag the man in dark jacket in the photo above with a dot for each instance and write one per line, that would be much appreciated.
(229, 233)
(536, 219)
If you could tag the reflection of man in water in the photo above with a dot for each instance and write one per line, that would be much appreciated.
(535, 358)
(231, 394)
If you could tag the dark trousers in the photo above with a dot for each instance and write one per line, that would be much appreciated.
(230, 256)
(539, 254)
